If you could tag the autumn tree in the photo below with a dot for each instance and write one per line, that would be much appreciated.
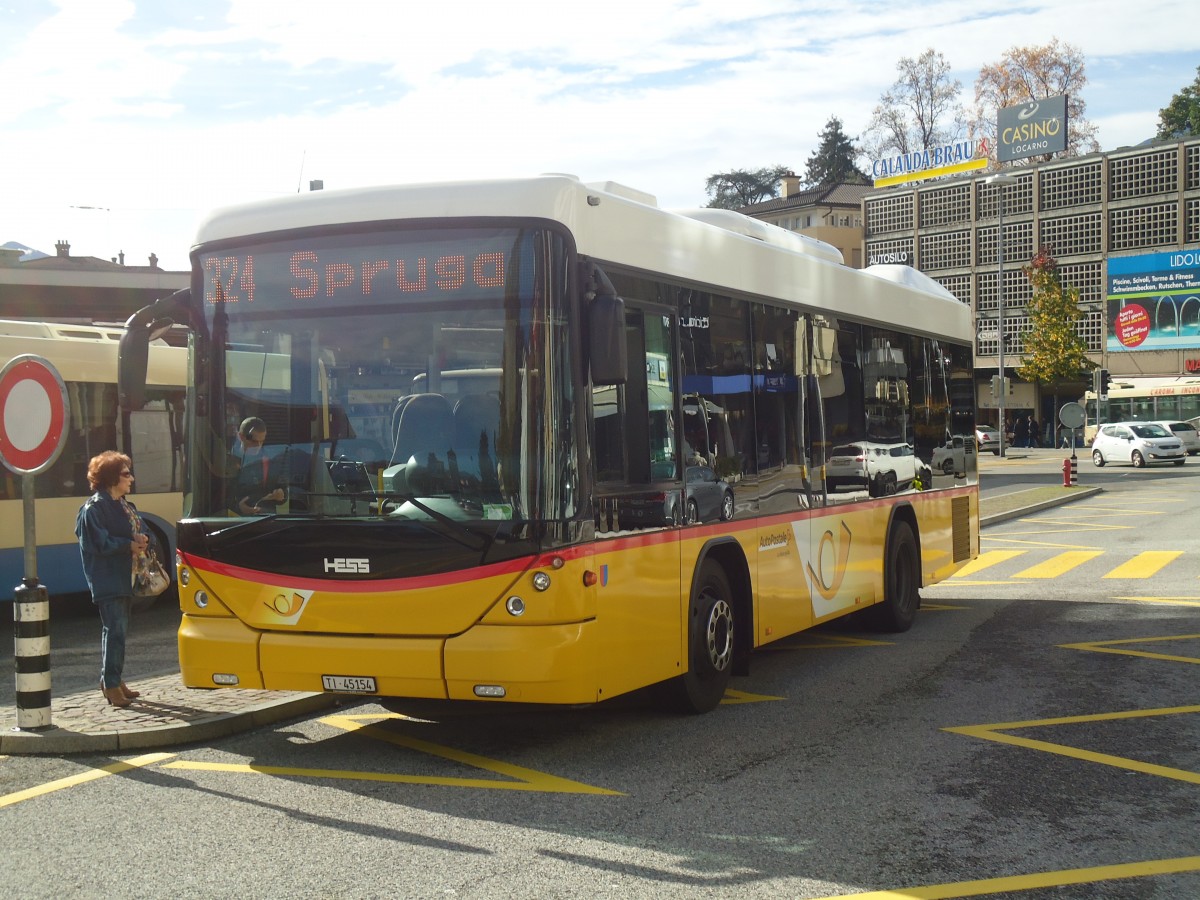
(741, 187)
(922, 110)
(833, 160)
(1035, 73)
(1181, 118)
(1054, 350)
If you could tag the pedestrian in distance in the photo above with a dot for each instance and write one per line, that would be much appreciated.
(1021, 430)
(111, 538)
(1034, 438)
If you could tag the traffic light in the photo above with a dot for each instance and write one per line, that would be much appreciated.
(1105, 380)
(997, 386)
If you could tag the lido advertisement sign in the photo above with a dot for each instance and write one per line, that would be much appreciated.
(1154, 301)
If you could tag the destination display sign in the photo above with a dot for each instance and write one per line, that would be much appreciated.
(342, 270)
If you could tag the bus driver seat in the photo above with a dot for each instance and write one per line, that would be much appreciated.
(426, 425)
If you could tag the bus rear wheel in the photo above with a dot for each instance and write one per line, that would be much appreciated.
(901, 582)
(711, 624)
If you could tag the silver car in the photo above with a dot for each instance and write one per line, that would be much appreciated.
(1186, 432)
(1138, 443)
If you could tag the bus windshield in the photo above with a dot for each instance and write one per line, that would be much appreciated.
(400, 374)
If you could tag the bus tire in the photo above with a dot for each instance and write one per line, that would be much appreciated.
(711, 624)
(901, 582)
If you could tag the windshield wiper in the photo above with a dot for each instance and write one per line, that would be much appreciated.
(479, 542)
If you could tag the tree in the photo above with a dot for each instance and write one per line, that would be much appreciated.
(1035, 73)
(1054, 350)
(833, 161)
(1181, 118)
(920, 111)
(741, 187)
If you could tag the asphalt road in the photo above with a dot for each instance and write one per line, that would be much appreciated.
(1035, 734)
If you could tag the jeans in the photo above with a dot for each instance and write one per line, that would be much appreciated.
(114, 619)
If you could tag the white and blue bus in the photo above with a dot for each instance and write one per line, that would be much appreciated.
(86, 358)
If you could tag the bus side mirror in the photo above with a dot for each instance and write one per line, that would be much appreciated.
(133, 351)
(607, 350)
(133, 355)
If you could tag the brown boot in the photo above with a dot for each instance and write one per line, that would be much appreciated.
(115, 697)
(130, 693)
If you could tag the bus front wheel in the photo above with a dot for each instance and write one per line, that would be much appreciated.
(711, 624)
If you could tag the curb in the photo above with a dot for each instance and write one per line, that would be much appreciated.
(56, 741)
(1078, 493)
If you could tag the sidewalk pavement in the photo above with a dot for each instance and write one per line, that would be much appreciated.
(169, 714)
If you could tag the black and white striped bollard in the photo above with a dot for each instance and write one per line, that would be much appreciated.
(31, 625)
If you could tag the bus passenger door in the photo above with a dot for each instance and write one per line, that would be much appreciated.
(640, 503)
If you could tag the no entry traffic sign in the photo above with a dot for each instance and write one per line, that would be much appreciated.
(33, 414)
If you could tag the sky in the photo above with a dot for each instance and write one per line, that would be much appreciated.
(123, 121)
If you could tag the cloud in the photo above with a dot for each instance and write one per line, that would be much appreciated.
(162, 111)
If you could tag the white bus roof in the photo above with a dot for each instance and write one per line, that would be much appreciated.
(87, 353)
(621, 226)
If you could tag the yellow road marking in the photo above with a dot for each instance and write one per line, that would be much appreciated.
(985, 560)
(1009, 883)
(733, 697)
(1145, 564)
(523, 779)
(82, 778)
(828, 642)
(1111, 647)
(1182, 601)
(1060, 564)
(1004, 539)
(993, 733)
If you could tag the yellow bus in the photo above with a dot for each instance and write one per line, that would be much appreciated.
(544, 442)
(85, 356)
(1142, 399)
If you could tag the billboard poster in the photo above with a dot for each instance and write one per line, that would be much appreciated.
(1154, 301)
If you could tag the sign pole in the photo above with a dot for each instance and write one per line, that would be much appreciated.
(31, 629)
(33, 418)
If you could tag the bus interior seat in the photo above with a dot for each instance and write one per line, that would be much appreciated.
(424, 423)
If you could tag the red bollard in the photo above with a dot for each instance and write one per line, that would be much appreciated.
(1070, 470)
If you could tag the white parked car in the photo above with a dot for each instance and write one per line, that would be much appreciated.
(1139, 443)
(1186, 432)
(881, 469)
(987, 439)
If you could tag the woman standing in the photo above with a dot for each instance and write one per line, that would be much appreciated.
(110, 536)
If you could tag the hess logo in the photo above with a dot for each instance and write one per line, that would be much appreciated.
(348, 565)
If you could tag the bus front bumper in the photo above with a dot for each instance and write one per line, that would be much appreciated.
(526, 664)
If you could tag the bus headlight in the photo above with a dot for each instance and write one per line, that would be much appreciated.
(515, 606)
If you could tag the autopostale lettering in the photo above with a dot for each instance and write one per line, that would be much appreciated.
(309, 274)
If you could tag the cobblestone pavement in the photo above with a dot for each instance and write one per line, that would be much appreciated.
(168, 714)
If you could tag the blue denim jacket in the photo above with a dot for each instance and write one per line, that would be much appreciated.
(105, 533)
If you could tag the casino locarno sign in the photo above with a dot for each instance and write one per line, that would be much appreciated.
(948, 159)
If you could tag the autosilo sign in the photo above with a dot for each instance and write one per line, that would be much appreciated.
(1031, 129)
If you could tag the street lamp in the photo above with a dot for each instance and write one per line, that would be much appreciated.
(1002, 181)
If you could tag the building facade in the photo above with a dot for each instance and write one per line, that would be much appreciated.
(1124, 227)
(80, 288)
(833, 214)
